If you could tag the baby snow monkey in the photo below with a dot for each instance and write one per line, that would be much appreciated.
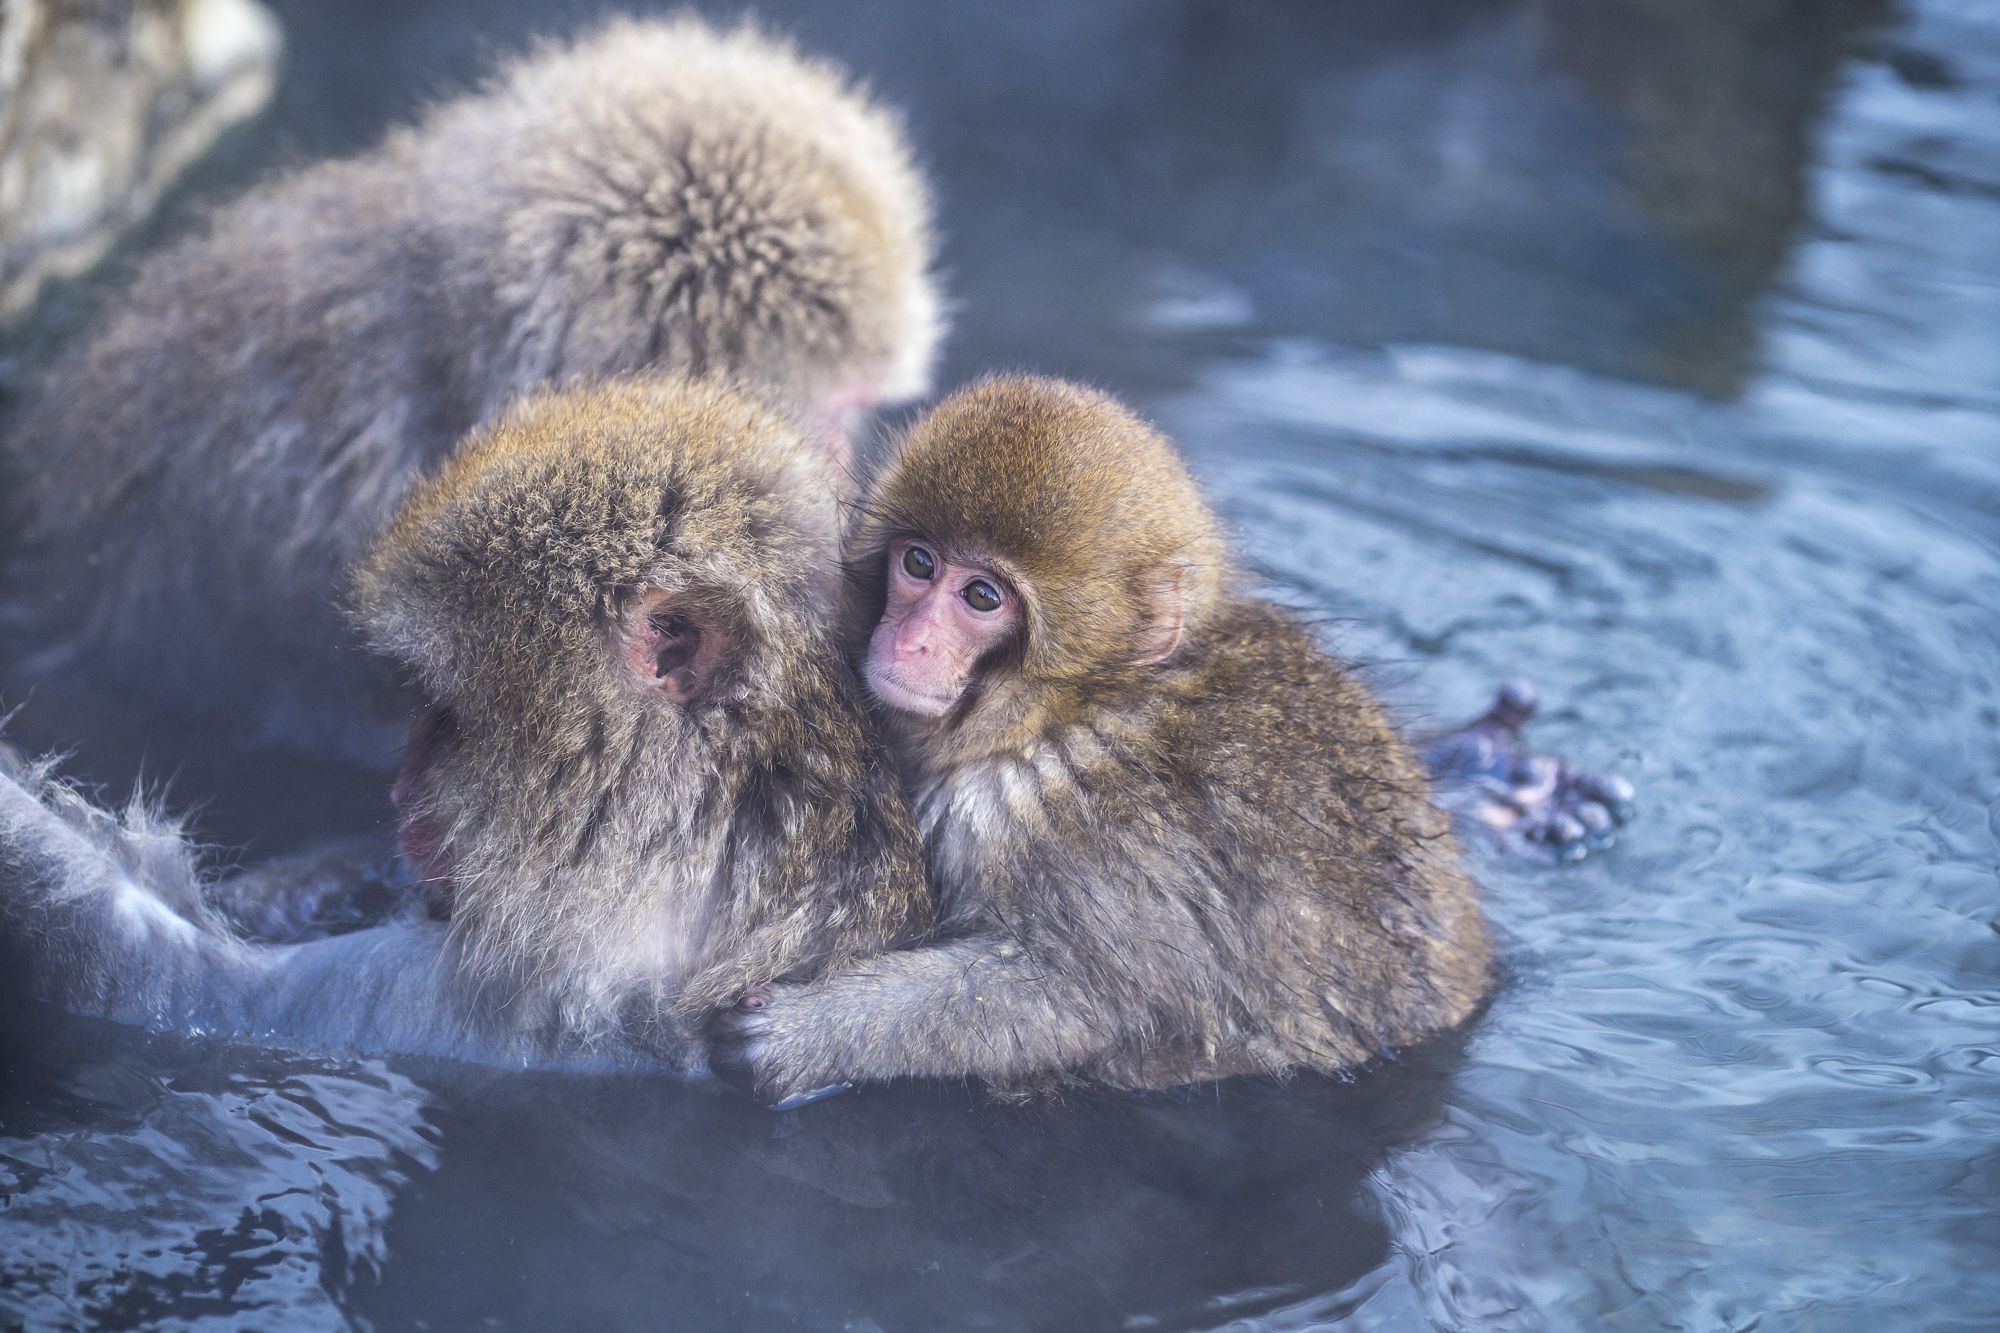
(644, 780)
(1172, 838)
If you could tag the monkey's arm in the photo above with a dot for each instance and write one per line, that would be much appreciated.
(977, 1007)
(105, 914)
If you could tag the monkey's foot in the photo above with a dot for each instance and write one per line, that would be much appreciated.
(760, 1044)
(1535, 803)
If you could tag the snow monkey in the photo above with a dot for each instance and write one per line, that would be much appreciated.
(1172, 838)
(644, 781)
(200, 477)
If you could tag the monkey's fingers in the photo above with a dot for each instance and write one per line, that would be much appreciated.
(745, 1050)
(796, 1100)
(737, 1042)
(1613, 793)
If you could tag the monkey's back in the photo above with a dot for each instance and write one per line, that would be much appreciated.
(1337, 848)
(199, 474)
(1246, 854)
(200, 477)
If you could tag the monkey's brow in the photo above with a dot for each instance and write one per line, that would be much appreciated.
(896, 522)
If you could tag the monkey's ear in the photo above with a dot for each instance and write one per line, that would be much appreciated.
(669, 646)
(1164, 616)
(839, 413)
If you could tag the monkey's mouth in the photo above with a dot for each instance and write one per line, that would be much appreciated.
(419, 830)
(905, 699)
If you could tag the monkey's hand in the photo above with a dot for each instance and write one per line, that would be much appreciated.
(1536, 803)
(771, 1043)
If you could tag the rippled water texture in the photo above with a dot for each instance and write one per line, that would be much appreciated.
(1649, 350)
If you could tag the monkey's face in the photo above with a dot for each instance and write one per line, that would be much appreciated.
(1031, 549)
(941, 619)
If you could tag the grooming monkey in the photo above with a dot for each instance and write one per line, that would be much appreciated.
(201, 477)
(1172, 839)
(644, 781)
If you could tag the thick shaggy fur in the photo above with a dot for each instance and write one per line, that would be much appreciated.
(202, 475)
(1150, 873)
(616, 863)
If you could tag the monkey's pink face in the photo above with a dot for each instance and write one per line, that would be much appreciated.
(939, 620)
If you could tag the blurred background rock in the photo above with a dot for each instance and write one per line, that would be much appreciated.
(103, 104)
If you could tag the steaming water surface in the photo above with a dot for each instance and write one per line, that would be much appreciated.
(1651, 353)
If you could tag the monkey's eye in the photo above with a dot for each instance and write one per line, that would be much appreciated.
(919, 563)
(981, 596)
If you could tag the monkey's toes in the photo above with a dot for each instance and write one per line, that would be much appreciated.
(1515, 703)
(1562, 834)
(1607, 790)
(1596, 819)
(1579, 817)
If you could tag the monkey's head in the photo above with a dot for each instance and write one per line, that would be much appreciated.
(606, 596)
(1033, 547)
(715, 202)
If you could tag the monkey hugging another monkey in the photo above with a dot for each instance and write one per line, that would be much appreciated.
(1091, 810)
(1166, 838)
(1172, 839)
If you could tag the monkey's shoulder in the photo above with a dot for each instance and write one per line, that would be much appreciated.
(1259, 674)
(1252, 725)
(1271, 732)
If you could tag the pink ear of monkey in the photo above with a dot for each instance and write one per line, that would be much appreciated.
(1166, 617)
(671, 647)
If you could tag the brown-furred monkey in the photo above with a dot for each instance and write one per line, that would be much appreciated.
(198, 479)
(644, 781)
(1172, 838)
